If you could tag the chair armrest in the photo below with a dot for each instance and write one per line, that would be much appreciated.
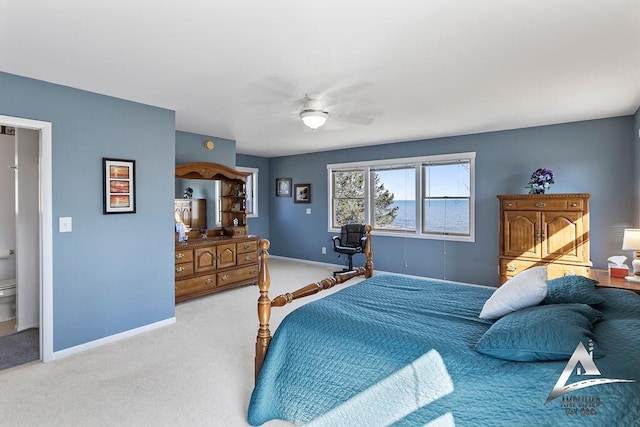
(336, 242)
(363, 242)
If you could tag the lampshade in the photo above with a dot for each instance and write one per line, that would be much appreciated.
(631, 239)
(314, 119)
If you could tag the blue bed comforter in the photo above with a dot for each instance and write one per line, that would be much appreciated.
(400, 350)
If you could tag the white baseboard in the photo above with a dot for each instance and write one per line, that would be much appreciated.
(112, 338)
(306, 261)
(22, 328)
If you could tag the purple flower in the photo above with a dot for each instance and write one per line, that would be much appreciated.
(540, 181)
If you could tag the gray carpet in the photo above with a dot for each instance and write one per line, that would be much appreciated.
(19, 348)
(197, 372)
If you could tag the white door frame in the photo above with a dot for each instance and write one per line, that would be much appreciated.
(46, 229)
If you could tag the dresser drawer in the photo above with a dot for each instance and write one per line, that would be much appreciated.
(183, 270)
(509, 268)
(247, 247)
(543, 204)
(237, 275)
(195, 285)
(184, 255)
(247, 258)
(559, 270)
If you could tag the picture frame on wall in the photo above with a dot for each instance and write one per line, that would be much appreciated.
(302, 193)
(283, 187)
(119, 186)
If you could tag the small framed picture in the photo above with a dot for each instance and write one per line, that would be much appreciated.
(302, 193)
(119, 186)
(283, 187)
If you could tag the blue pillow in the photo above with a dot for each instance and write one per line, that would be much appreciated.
(572, 289)
(544, 332)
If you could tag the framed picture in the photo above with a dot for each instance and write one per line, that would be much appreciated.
(283, 187)
(119, 184)
(302, 193)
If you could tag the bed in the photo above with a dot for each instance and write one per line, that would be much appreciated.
(399, 350)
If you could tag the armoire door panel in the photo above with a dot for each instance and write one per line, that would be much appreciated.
(563, 235)
(521, 230)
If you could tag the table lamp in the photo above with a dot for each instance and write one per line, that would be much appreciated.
(631, 242)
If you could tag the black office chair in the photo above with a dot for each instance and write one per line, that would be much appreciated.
(351, 241)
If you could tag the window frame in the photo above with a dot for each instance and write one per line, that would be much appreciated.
(417, 163)
(254, 196)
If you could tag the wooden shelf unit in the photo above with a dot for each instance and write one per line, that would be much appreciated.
(205, 266)
(544, 229)
(228, 256)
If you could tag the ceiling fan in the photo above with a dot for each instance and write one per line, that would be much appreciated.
(316, 110)
(313, 114)
(341, 103)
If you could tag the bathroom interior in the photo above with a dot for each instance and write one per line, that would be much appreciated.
(20, 231)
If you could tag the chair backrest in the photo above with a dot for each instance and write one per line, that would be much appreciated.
(351, 235)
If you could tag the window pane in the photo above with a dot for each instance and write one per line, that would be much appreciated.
(452, 180)
(348, 211)
(348, 203)
(394, 198)
(446, 216)
(249, 195)
(348, 184)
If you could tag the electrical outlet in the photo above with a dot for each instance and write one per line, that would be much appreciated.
(324, 250)
(64, 224)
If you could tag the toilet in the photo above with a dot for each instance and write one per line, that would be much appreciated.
(7, 299)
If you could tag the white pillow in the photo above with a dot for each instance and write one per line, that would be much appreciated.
(523, 290)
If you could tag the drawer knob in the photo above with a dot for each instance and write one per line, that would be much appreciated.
(247, 246)
(573, 205)
(247, 257)
(224, 277)
(541, 205)
(511, 267)
(179, 269)
(179, 256)
(509, 204)
(252, 271)
(208, 281)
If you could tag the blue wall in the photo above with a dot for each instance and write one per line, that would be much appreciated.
(189, 147)
(259, 225)
(113, 272)
(587, 157)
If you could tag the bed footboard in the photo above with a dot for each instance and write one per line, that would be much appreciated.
(265, 303)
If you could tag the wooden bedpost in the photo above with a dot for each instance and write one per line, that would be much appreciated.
(368, 252)
(264, 309)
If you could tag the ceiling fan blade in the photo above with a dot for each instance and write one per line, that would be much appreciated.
(349, 118)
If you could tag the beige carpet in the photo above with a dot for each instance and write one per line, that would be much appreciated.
(197, 372)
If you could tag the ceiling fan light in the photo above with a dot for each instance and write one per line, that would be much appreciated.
(314, 119)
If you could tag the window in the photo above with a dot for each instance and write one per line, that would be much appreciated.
(348, 197)
(447, 192)
(391, 194)
(252, 191)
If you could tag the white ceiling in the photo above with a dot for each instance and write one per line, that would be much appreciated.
(394, 70)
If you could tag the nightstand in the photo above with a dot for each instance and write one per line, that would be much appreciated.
(605, 281)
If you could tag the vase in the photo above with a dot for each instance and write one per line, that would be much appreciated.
(534, 191)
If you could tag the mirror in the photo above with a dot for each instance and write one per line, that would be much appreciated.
(203, 189)
(214, 184)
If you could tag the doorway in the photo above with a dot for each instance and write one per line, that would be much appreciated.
(45, 220)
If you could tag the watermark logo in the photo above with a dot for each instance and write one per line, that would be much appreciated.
(581, 362)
